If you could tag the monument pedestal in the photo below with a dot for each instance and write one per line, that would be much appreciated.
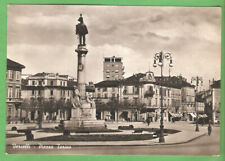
(84, 117)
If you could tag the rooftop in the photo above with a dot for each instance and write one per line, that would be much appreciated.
(108, 83)
(216, 84)
(140, 78)
(14, 65)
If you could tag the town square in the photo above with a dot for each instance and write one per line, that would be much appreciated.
(141, 82)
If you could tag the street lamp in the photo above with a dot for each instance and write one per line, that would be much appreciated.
(159, 57)
(197, 81)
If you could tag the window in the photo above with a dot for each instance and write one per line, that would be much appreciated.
(107, 59)
(106, 95)
(150, 102)
(10, 92)
(32, 92)
(17, 75)
(9, 111)
(51, 92)
(118, 60)
(156, 101)
(168, 92)
(10, 74)
(113, 95)
(135, 90)
(99, 95)
(64, 83)
(113, 89)
(39, 92)
(51, 83)
(107, 76)
(98, 89)
(68, 93)
(39, 83)
(17, 92)
(33, 83)
(107, 71)
(116, 71)
(104, 89)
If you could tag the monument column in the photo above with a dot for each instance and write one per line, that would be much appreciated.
(81, 68)
(83, 113)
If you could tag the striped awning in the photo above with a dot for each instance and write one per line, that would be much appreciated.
(192, 115)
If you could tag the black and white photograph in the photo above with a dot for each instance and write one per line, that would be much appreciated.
(113, 80)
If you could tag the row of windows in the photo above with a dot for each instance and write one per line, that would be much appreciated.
(13, 94)
(11, 74)
(62, 83)
(39, 92)
(108, 71)
(105, 89)
(112, 65)
(113, 76)
(105, 95)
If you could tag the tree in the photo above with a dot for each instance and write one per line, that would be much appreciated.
(63, 106)
(25, 105)
(41, 108)
(49, 107)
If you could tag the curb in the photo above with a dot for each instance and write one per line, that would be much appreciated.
(153, 144)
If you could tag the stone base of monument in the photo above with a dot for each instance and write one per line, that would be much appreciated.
(82, 124)
(83, 117)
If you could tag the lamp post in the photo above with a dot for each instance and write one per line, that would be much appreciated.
(160, 58)
(197, 81)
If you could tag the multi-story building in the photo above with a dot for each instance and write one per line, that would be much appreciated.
(141, 96)
(50, 87)
(188, 99)
(113, 68)
(212, 101)
(13, 94)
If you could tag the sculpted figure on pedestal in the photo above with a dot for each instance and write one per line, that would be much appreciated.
(81, 31)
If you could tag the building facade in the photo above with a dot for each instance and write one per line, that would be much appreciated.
(212, 101)
(139, 97)
(54, 90)
(113, 68)
(13, 93)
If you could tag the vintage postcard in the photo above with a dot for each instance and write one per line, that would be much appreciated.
(113, 80)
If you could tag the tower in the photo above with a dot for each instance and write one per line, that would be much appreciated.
(113, 68)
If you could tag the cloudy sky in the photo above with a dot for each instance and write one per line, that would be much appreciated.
(42, 37)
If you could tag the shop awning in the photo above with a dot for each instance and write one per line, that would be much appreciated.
(175, 114)
(192, 115)
(203, 116)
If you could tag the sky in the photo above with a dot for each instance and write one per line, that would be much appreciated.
(42, 37)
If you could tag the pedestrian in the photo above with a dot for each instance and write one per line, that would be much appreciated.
(173, 120)
(209, 129)
(148, 121)
(156, 117)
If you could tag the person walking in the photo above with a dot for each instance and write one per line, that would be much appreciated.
(209, 129)
(148, 121)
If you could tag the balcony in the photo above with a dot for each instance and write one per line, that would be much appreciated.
(149, 93)
(14, 100)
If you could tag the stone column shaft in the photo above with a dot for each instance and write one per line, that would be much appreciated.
(81, 67)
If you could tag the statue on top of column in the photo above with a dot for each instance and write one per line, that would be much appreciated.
(81, 31)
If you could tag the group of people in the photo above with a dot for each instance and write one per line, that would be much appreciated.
(148, 121)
